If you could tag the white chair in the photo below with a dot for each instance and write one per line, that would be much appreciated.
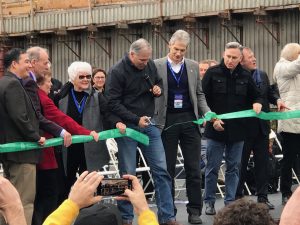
(273, 135)
(112, 168)
(112, 147)
(179, 184)
(143, 167)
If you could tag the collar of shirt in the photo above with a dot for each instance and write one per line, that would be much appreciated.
(32, 75)
(176, 67)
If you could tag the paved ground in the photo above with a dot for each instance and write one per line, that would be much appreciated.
(208, 220)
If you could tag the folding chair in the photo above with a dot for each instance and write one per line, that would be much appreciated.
(143, 167)
(273, 135)
(112, 168)
(180, 184)
(113, 164)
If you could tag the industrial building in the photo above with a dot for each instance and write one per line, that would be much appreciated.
(100, 31)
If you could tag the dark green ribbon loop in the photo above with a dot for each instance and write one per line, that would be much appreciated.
(114, 133)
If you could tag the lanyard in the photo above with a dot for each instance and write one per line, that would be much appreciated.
(79, 106)
(177, 79)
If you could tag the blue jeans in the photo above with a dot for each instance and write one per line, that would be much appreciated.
(233, 154)
(155, 157)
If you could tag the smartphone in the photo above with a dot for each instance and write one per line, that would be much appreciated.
(113, 187)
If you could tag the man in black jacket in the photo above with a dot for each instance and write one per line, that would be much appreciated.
(228, 88)
(19, 123)
(258, 132)
(131, 87)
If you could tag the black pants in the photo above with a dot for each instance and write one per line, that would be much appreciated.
(189, 137)
(46, 195)
(290, 149)
(76, 163)
(259, 145)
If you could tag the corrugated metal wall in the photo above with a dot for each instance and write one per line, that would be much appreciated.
(117, 41)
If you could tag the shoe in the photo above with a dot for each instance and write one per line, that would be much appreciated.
(266, 202)
(194, 219)
(285, 199)
(210, 209)
(171, 222)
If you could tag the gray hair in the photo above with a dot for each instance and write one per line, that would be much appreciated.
(138, 45)
(76, 67)
(180, 35)
(234, 45)
(290, 51)
(34, 52)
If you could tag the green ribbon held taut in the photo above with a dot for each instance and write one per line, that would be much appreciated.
(250, 113)
(103, 135)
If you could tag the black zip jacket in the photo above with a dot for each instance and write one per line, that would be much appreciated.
(128, 92)
(229, 92)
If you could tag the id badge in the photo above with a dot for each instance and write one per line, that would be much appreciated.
(178, 101)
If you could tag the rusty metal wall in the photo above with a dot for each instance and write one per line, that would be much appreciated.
(117, 41)
(103, 15)
(106, 46)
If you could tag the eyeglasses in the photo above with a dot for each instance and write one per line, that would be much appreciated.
(88, 77)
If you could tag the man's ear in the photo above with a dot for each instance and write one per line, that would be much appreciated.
(32, 62)
(13, 64)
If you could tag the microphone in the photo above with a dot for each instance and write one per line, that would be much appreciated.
(149, 81)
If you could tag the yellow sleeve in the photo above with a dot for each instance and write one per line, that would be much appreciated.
(65, 214)
(147, 218)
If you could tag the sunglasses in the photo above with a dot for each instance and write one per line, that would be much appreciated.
(88, 77)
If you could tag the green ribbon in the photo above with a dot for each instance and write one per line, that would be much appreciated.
(250, 113)
(114, 133)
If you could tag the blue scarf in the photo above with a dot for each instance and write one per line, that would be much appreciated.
(256, 77)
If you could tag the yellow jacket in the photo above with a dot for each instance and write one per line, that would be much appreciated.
(67, 212)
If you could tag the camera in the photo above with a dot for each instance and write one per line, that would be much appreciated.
(113, 187)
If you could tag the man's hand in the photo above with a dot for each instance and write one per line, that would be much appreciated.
(10, 203)
(217, 124)
(144, 121)
(257, 107)
(42, 141)
(82, 192)
(122, 127)
(136, 196)
(67, 139)
(156, 91)
(281, 105)
(95, 135)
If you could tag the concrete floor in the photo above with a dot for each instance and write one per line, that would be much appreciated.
(208, 220)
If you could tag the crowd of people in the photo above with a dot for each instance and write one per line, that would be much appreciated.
(158, 98)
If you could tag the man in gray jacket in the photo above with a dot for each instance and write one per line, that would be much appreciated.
(182, 100)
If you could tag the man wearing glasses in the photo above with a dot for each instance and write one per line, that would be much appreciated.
(228, 88)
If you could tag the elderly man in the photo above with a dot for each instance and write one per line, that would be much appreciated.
(131, 87)
(228, 88)
(40, 65)
(183, 100)
(258, 132)
(19, 122)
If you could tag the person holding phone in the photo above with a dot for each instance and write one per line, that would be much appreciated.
(82, 195)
